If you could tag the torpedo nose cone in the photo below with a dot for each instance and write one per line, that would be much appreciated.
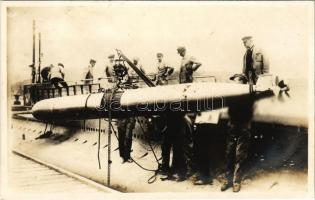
(69, 107)
(42, 110)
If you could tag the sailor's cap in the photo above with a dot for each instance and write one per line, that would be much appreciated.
(92, 61)
(111, 56)
(247, 38)
(60, 64)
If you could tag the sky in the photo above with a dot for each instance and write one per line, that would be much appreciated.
(211, 32)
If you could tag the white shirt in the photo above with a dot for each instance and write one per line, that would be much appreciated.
(110, 68)
(162, 68)
(56, 72)
(186, 59)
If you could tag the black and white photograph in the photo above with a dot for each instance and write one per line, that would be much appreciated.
(157, 100)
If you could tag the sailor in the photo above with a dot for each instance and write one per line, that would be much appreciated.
(125, 126)
(163, 71)
(174, 138)
(109, 69)
(33, 74)
(255, 62)
(188, 66)
(88, 73)
(133, 76)
(57, 75)
(45, 74)
(240, 115)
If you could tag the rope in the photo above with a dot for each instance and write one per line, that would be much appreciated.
(152, 178)
(85, 107)
(110, 128)
(157, 160)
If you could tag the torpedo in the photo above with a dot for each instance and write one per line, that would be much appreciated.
(181, 98)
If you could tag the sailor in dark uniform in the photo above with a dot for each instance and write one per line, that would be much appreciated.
(174, 138)
(240, 115)
(33, 74)
(125, 129)
(125, 126)
(177, 135)
(45, 72)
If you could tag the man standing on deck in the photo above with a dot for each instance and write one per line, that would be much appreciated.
(188, 66)
(125, 126)
(33, 74)
(177, 134)
(163, 71)
(255, 63)
(109, 69)
(88, 74)
(133, 76)
(168, 139)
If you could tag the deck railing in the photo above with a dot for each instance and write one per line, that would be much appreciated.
(33, 93)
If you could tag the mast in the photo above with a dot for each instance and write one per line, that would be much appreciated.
(39, 57)
(33, 57)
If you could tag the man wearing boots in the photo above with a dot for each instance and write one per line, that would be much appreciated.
(255, 63)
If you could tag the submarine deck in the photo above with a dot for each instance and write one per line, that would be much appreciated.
(77, 153)
(31, 177)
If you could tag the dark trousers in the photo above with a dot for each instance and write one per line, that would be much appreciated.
(56, 80)
(174, 138)
(202, 150)
(238, 142)
(238, 139)
(125, 128)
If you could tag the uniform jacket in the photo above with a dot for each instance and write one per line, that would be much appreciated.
(260, 62)
(186, 70)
